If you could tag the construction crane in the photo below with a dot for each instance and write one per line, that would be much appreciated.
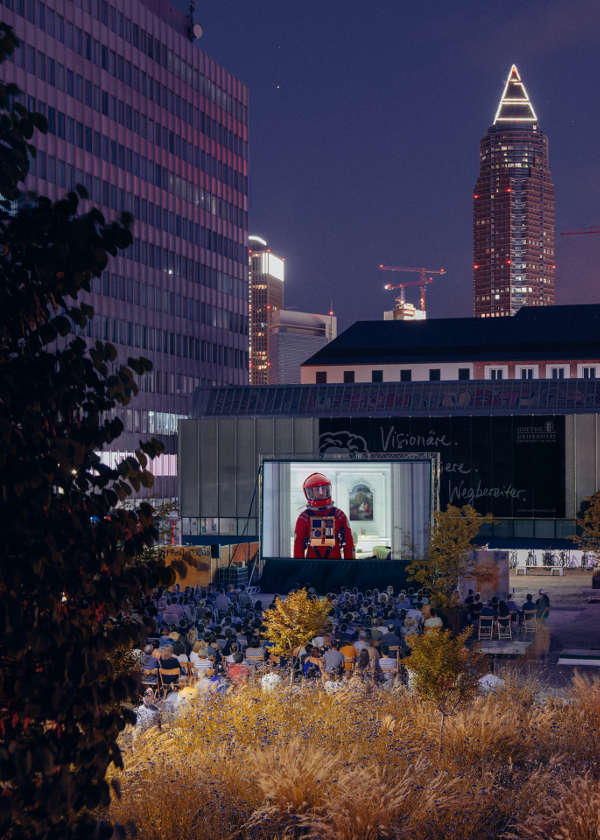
(579, 232)
(422, 283)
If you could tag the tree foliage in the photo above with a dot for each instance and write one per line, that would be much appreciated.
(448, 556)
(294, 622)
(444, 671)
(587, 537)
(72, 567)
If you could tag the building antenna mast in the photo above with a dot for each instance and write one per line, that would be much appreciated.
(195, 30)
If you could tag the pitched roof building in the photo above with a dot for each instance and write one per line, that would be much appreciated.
(555, 342)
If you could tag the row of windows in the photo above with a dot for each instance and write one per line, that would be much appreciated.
(65, 80)
(120, 331)
(63, 174)
(161, 465)
(118, 155)
(193, 527)
(57, 27)
(157, 300)
(153, 422)
(588, 372)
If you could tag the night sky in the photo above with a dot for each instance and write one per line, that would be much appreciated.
(365, 128)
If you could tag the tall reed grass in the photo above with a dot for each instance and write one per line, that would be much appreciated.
(363, 764)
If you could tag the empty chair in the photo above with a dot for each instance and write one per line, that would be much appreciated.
(504, 627)
(485, 627)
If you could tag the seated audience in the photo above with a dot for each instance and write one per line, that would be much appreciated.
(434, 622)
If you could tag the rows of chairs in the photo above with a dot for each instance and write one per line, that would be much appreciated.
(490, 627)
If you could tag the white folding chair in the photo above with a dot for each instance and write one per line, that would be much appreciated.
(485, 629)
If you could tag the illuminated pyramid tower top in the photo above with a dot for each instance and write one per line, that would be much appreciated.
(515, 105)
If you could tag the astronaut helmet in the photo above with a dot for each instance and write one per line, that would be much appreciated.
(317, 489)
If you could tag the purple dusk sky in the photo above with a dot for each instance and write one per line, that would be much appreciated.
(365, 128)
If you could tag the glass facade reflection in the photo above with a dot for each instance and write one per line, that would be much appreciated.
(148, 123)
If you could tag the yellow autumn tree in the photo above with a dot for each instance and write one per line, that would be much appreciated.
(588, 525)
(293, 622)
(448, 556)
(444, 671)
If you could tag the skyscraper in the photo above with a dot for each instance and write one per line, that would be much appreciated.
(513, 210)
(266, 278)
(149, 123)
(295, 336)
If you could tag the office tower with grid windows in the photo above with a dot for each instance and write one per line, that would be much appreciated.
(148, 123)
(513, 211)
(266, 278)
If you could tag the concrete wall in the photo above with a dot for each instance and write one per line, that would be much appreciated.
(582, 459)
(219, 460)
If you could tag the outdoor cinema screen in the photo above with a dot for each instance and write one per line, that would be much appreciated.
(386, 505)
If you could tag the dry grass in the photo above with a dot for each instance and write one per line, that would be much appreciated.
(363, 765)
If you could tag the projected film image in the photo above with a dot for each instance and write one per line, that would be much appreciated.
(352, 510)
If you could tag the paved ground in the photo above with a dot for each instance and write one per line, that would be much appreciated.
(574, 618)
(574, 622)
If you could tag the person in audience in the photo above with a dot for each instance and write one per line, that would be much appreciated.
(199, 659)
(503, 609)
(476, 608)
(148, 713)
(362, 642)
(211, 683)
(312, 667)
(363, 663)
(411, 628)
(255, 652)
(434, 622)
(333, 659)
(238, 672)
(350, 654)
(222, 602)
(388, 664)
(168, 662)
(488, 611)
(529, 609)
(404, 602)
(542, 606)
(390, 637)
(149, 665)
(179, 652)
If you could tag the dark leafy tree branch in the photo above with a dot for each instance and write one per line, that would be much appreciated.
(74, 565)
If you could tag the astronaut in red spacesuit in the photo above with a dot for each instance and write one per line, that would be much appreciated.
(322, 530)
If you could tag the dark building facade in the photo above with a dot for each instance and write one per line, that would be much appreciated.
(513, 211)
(528, 451)
(148, 123)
